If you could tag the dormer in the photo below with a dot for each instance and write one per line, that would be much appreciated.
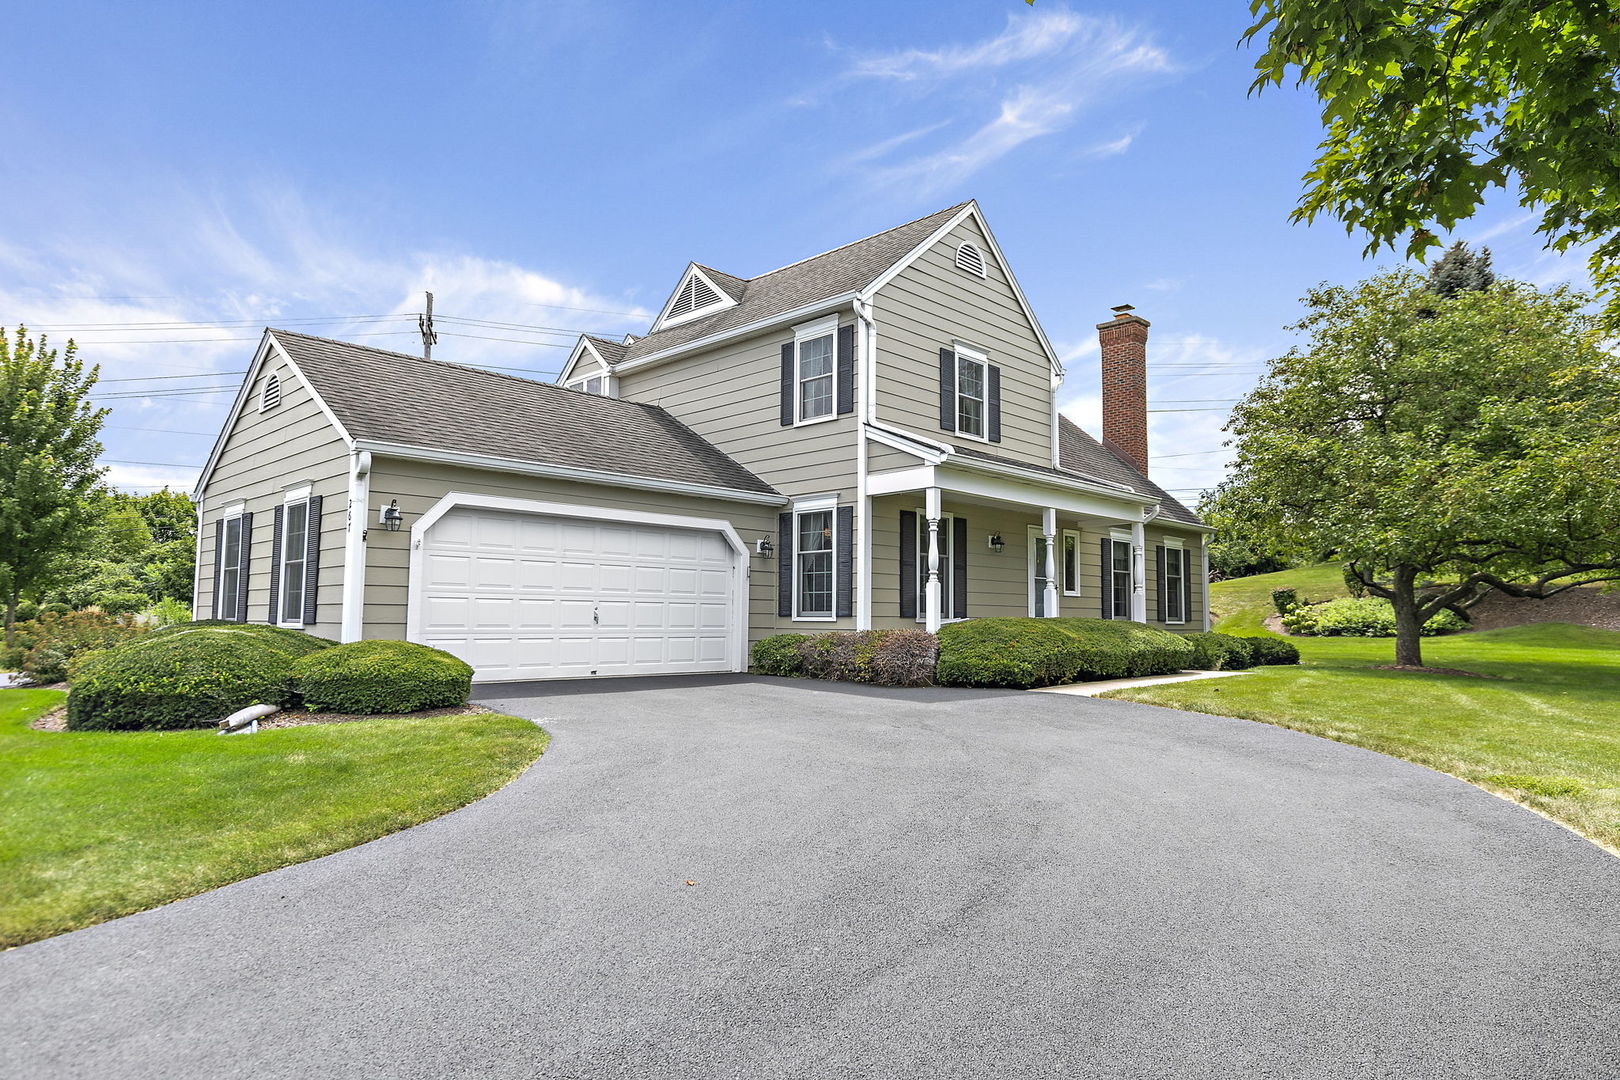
(590, 366)
(702, 292)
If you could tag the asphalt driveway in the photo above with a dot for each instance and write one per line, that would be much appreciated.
(755, 878)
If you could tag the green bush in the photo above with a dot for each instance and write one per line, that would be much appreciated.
(381, 677)
(190, 679)
(1024, 653)
(779, 655)
(841, 656)
(1221, 652)
(1284, 599)
(1271, 651)
(48, 644)
(904, 658)
(27, 611)
(1369, 616)
(169, 612)
(293, 641)
(122, 603)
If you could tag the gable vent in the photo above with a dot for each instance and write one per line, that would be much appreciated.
(695, 295)
(971, 259)
(270, 396)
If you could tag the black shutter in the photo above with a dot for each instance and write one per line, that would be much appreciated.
(846, 370)
(992, 408)
(312, 558)
(959, 561)
(219, 564)
(908, 564)
(787, 384)
(1107, 589)
(784, 565)
(1186, 587)
(246, 550)
(275, 566)
(1158, 553)
(947, 389)
(843, 544)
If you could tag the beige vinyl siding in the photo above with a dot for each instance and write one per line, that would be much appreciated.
(731, 395)
(264, 455)
(880, 458)
(1197, 598)
(419, 485)
(928, 306)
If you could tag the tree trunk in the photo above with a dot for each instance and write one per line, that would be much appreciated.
(1408, 628)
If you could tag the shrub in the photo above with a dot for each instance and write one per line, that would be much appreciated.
(1284, 599)
(295, 642)
(1271, 651)
(27, 611)
(178, 680)
(841, 655)
(122, 603)
(904, 658)
(48, 644)
(1024, 653)
(169, 612)
(779, 655)
(1221, 652)
(381, 677)
(1369, 616)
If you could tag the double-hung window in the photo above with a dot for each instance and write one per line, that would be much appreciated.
(294, 551)
(971, 392)
(814, 377)
(1175, 584)
(1123, 580)
(228, 594)
(813, 591)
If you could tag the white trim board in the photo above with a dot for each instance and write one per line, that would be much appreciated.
(737, 639)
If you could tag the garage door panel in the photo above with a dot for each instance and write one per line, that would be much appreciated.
(526, 596)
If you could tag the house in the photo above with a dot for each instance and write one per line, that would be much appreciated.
(866, 438)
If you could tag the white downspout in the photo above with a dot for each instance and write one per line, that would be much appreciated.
(1203, 569)
(865, 345)
(354, 547)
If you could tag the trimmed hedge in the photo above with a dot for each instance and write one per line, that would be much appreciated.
(879, 657)
(1221, 652)
(381, 677)
(182, 680)
(294, 641)
(1024, 653)
(1271, 651)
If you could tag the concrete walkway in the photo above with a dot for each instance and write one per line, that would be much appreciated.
(758, 878)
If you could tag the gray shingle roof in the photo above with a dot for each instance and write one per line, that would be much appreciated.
(843, 270)
(731, 283)
(1079, 453)
(611, 351)
(393, 397)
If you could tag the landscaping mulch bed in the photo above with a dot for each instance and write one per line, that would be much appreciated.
(1434, 670)
(56, 719)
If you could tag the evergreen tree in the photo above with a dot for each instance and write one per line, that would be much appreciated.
(1460, 269)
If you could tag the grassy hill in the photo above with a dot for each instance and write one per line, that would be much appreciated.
(1543, 726)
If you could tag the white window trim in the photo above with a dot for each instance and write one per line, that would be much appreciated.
(1171, 544)
(231, 513)
(816, 504)
(1120, 536)
(980, 357)
(811, 331)
(607, 390)
(293, 495)
(946, 597)
(1067, 535)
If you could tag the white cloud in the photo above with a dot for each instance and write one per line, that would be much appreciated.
(194, 306)
(1064, 63)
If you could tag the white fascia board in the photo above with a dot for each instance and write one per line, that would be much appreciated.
(786, 318)
(971, 210)
(692, 270)
(562, 472)
(267, 345)
(581, 348)
(1038, 476)
(905, 446)
(896, 481)
(893, 431)
(1031, 493)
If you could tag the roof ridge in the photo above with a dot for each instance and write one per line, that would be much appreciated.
(864, 239)
(642, 405)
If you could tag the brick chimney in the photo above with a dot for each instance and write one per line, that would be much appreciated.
(1124, 384)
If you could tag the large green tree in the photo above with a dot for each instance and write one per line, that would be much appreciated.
(48, 471)
(143, 550)
(1441, 447)
(1428, 104)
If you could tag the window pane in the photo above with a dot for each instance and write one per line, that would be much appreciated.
(293, 530)
(292, 592)
(1071, 564)
(815, 531)
(970, 416)
(970, 378)
(815, 559)
(816, 357)
(816, 398)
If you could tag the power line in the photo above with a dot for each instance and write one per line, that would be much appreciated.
(515, 341)
(1192, 453)
(204, 341)
(159, 430)
(154, 464)
(155, 378)
(1187, 410)
(215, 324)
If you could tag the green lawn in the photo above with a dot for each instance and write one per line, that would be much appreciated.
(1546, 731)
(94, 825)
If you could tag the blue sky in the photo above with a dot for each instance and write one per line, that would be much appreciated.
(179, 175)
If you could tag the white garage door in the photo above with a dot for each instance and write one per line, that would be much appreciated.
(527, 596)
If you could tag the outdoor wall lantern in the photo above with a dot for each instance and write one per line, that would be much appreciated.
(763, 547)
(390, 516)
(997, 544)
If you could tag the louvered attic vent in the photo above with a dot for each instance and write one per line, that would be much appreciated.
(971, 259)
(270, 397)
(695, 295)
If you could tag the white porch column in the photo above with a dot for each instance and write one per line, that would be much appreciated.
(1138, 572)
(354, 547)
(1049, 603)
(1203, 572)
(932, 591)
